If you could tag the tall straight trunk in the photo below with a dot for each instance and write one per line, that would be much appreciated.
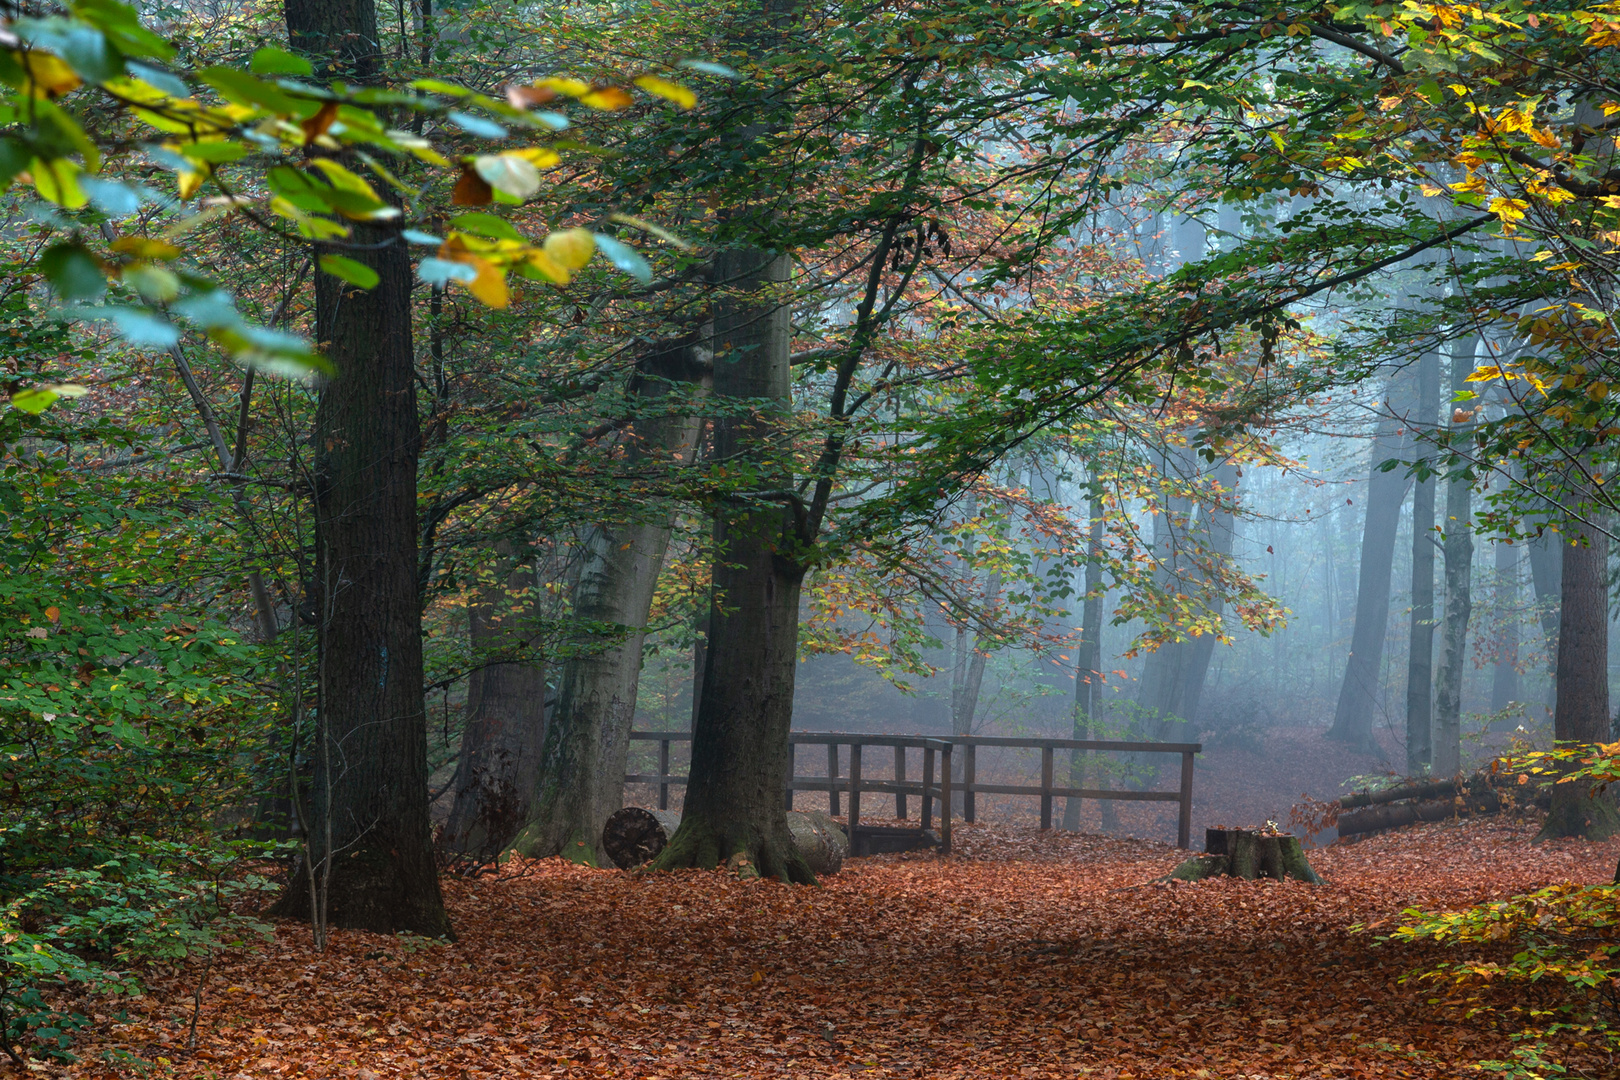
(734, 812)
(1546, 578)
(1459, 553)
(1088, 662)
(1420, 655)
(369, 841)
(1505, 673)
(1386, 491)
(587, 743)
(1216, 536)
(1164, 670)
(1582, 712)
(968, 674)
(499, 759)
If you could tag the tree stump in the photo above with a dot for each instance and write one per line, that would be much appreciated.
(1249, 854)
(634, 835)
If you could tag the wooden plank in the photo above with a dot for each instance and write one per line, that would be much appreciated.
(928, 788)
(663, 772)
(832, 779)
(899, 779)
(854, 792)
(970, 771)
(1046, 787)
(1184, 822)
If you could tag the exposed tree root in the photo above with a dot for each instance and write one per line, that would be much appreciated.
(746, 850)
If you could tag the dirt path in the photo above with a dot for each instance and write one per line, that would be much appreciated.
(1025, 956)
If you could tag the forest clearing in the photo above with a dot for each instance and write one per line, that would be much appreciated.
(1025, 955)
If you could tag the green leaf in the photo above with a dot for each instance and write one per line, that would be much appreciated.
(508, 174)
(625, 258)
(350, 270)
(73, 272)
(244, 89)
(486, 225)
(476, 125)
(710, 68)
(443, 271)
(36, 399)
(273, 61)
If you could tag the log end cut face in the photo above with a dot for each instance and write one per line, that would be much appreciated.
(633, 836)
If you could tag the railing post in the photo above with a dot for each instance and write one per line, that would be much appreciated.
(1046, 787)
(1184, 825)
(970, 776)
(854, 792)
(663, 774)
(928, 788)
(945, 800)
(899, 778)
(790, 768)
(832, 779)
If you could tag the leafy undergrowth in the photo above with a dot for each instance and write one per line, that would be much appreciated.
(1026, 954)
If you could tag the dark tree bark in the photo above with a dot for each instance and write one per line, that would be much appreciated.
(1505, 689)
(1582, 712)
(1088, 663)
(1420, 655)
(733, 812)
(369, 837)
(1386, 491)
(587, 743)
(1459, 554)
(499, 762)
(1546, 578)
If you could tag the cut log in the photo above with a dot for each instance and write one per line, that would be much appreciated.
(1409, 789)
(1395, 815)
(1248, 854)
(634, 835)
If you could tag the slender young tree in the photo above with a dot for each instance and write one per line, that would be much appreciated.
(1459, 555)
(369, 841)
(1505, 682)
(1088, 661)
(1386, 491)
(1420, 656)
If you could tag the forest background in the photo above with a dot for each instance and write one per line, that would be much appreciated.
(406, 401)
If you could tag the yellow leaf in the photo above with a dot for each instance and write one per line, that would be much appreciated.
(683, 97)
(490, 284)
(571, 248)
(48, 74)
(144, 247)
(189, 183)
(608, 98)
(572, 87)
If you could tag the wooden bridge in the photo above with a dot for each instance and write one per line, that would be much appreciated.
(854, 781)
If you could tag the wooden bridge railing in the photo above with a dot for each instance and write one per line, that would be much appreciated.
(853, 783)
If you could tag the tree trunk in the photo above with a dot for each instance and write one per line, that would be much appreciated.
(1459, 553)
(587, 744)
(1386, 491)
(369, 841)
(1088, 663)
(1164, 671)
(1546, 576)
(1582, 712)
(1216, 536)
(1420, 655)
(499, 759)
(733, 812)
(1505, 689)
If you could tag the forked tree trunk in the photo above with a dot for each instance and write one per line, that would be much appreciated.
(505, 719)
(1386, 491)
(1088, 663)
(1459, 553)
(369, 839)
(734, 814)
(1420, 654)
(587, 743)
(1582, 713)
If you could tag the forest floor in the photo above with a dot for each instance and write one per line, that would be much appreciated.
(1026, 954)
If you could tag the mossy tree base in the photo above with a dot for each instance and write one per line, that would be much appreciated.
(1248, 854)
(1578, 815)
(744, 848)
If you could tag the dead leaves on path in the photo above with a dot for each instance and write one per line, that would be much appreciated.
(1065, 961)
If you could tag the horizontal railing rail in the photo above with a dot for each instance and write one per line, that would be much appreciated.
(852, 784)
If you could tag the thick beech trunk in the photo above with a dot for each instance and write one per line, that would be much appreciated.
(1546, 577)
(1386, 491)
(1459, 553)
(1420, 655)
(1582, 712)
(587, 743)
(733, 812)
(505, 720)
(1088, 663)
(369, 841)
